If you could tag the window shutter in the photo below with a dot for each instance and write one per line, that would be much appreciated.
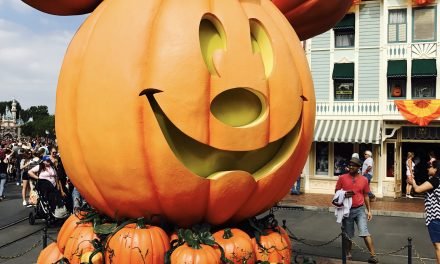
(424, 27)
(392, 34)
(402, 32)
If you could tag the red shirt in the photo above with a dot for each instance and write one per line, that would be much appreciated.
(359, 186)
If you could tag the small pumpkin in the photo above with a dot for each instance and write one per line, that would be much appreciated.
(202, 254)
(70, 224)
(195, 246)
(50, 254)
(237, 245)
(396, 91)
(137, 243)
(274, 246)
(80, 240)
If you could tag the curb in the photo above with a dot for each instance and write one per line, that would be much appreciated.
(375, 212)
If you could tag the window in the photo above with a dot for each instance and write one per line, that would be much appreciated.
(344, 90)
(344, 39)
(424, 24)
(396, 88)
(423, 87)
(396, 74)
(397, 25)
(423, 81)
(343, 77)
(344, 32)
(342, 154)
(321, 158)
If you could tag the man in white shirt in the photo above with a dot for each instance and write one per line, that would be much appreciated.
(367, 170)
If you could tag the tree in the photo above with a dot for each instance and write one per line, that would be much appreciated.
(39, 126)
(36, 112)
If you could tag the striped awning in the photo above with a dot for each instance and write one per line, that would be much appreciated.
(348, 131)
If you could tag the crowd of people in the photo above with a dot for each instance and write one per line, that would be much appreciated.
(29, 162)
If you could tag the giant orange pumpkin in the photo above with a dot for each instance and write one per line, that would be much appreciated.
(201, 115)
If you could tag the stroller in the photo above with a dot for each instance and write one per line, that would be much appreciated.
(43, 208)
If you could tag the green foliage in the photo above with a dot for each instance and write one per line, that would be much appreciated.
(36, 112)
(39, 126)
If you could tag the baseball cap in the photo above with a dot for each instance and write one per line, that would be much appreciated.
(45, 158)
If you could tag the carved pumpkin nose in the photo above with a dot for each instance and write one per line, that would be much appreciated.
(239, 107)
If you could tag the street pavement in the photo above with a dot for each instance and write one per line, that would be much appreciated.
(308, 217)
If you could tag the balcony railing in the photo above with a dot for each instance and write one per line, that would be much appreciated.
(387, 110)
(405, 51)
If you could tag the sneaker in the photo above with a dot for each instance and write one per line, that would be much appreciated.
(409, 196)
(24, 203)
(373, 259)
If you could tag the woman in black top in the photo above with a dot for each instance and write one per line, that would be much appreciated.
(432, 203)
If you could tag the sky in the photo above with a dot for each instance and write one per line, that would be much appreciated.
(32, 47)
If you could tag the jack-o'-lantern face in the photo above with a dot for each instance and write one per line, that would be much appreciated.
(197, 112)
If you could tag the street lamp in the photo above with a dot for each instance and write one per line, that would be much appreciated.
(47, 135)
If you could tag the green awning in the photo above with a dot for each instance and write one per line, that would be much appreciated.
(346, 23)
(424, 68)
(396, 68)
(343, 71)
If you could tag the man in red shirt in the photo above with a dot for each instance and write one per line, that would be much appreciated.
(356, 187)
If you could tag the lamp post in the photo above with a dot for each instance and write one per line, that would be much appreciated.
(47, 136)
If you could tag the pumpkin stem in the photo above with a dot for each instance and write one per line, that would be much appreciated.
(62, 261)
(227, 233)
(141, 223)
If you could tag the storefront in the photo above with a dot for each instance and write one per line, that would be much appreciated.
(335, 141)
(401, 138)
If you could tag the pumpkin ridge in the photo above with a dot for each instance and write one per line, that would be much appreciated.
(145, 154)
(99, 11)
(145, 148)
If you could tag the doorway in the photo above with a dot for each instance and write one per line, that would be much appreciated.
(421, 151)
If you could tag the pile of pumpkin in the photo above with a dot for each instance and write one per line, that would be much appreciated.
(88, 237)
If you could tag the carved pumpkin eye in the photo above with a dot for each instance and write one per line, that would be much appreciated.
(212, 38)
(261, 43)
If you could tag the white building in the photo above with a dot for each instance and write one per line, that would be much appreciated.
(382, 51)
(9, 123)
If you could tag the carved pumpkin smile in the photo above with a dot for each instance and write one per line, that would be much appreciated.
(209, 162)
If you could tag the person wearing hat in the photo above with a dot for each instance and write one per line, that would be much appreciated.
(49, 185)
(356, 187)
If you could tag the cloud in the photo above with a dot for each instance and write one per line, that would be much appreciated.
(32, 47)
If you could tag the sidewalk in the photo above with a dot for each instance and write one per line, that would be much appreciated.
(401, 207)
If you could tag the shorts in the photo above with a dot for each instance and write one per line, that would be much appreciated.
(434, 230)
(24, 176)
(359, 216)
